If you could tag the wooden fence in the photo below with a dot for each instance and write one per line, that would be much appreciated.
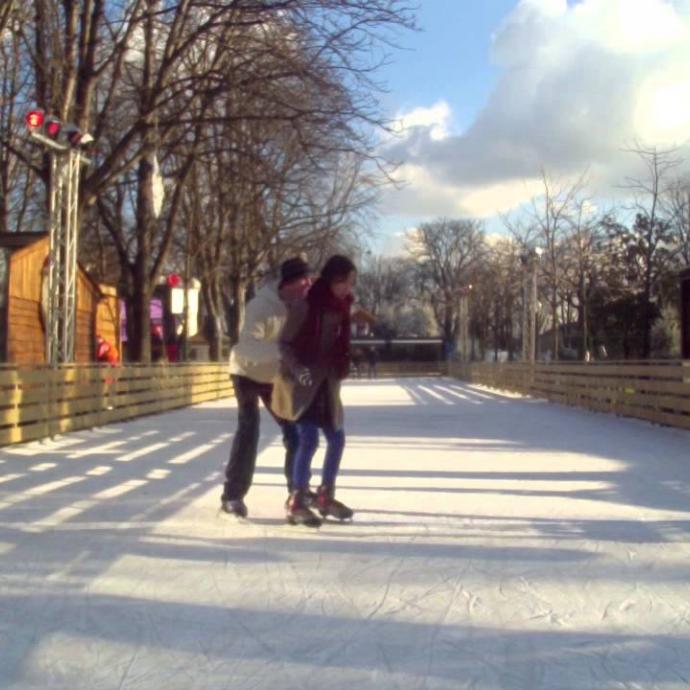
(395, 369)
(658, 391)
(36, 402)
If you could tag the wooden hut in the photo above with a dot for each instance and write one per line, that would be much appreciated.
(23, 287)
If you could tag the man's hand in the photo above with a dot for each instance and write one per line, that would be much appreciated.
(304, 377)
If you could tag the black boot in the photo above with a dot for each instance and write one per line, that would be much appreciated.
(234, 506)
(298, 512)
(329, 507)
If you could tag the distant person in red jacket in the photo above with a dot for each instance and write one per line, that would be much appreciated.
(372, 361)
(106, 352)
(172, 349)
(157, 344)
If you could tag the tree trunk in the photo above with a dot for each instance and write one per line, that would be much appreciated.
(139, 325)
(555, 320)
(648, 319)
(236, 310)
(215, 308)
(142, 286)
(581, 320)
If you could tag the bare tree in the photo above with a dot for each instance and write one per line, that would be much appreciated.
(5, 16)
(294, 179)
(678, 205)
(447, 252)
(146, 77)
(496, 302)
(547, 226)
(18, 203)
(645, 248)
(386, 288)
(580, 269)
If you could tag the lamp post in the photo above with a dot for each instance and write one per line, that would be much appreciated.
(530, 261)
(464, 293)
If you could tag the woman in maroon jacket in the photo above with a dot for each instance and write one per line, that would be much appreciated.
(315, 357)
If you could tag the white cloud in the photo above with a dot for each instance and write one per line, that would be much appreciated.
(422, 194)
(662, 113)
(488, 200)
(425, 196)
(630, 26)
(434, 120)
(580, 82)
(494, 239)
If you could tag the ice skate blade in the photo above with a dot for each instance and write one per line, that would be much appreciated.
(332, 518)
(232, 517)
(314, 524)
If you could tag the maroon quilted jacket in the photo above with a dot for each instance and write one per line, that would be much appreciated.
(306, 342)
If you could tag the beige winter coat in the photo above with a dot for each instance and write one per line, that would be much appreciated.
(290, 399)
(256, 354)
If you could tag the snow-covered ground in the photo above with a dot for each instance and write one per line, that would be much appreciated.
(499, 542)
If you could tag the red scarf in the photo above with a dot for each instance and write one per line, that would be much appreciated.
(306, 343)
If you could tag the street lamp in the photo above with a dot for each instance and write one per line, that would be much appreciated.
(530, 261)
(464, 293)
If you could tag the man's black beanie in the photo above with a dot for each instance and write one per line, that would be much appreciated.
(292, 269)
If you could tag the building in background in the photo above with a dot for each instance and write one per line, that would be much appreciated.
(167, 314)
(23, 300)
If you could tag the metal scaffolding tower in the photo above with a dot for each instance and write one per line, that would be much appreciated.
(63, 224)
(62, 262)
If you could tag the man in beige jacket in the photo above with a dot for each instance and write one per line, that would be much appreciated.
(253, 366)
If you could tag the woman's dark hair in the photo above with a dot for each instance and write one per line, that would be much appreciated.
(337, 269)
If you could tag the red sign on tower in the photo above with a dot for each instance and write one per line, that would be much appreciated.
(34, 119)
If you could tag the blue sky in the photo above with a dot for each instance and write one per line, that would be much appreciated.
(490, 95)
(448, 59)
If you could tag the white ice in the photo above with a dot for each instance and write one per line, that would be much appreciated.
(499, 542)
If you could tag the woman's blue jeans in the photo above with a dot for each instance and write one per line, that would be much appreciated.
(308, 436)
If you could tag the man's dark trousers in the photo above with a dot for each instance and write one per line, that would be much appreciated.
(240, 468)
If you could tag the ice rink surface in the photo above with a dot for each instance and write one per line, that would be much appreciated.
(499, 542)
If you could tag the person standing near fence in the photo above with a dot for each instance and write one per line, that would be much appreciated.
(253, 366)
(372, 362)
(315, 357)
(106, 352)
(356, 363)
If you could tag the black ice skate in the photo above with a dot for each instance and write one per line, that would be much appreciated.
(298, 512)
(329, 507)
(235, 506)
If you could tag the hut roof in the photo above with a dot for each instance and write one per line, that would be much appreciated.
(19, 240)
(14, 241)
